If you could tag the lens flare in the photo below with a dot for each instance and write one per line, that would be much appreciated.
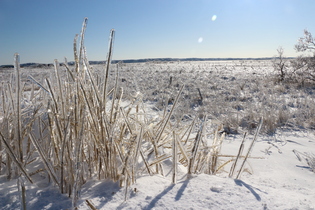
(214, 17)
(200, 39)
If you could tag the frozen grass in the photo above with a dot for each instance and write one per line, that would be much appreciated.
(309, 158)
(234, 93)
(77, 124)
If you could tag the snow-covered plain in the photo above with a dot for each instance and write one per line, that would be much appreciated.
(273, 178)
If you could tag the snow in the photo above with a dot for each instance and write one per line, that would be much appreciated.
(274, 179)
(278, 181)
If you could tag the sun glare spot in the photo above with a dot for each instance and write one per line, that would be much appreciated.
(200, 39)
(214, 17)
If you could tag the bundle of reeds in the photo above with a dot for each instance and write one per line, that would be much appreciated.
(80, 128)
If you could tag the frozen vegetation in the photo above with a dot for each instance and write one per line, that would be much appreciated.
(155, 135)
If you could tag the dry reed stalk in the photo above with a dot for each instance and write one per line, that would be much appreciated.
(222, 166)
(239, 154)
(250, 147)
(90, 205)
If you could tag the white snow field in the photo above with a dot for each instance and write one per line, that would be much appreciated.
(233, 95)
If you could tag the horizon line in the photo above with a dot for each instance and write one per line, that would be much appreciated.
(142, 60)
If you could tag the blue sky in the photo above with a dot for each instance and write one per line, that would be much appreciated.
(43, 30)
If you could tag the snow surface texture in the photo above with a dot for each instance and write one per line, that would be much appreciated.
(275, 178)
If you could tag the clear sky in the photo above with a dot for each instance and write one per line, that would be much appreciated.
(43, 30)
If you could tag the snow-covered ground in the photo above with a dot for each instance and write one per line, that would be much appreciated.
(276, 180)
(273, 178)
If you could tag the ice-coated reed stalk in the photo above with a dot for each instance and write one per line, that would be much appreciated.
(92, 80)
(111, 116)
(47, 163)
(84, 24)
(174, 153)
(90, 205)
(18, 107)
(14, 158)
(182, 149)
(63, 147)
(38, 84)
(61, 98)
(239, 154)
(190, 130)
(136, 154)
(1, 152)
(216, 148)
(169, 115)
(195, 148)
(250, 147)
(21, 188)
(75, 52)
(108, 61)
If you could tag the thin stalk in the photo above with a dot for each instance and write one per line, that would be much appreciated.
(45, 160)
(169, 115)
(75, 52)
(84, 24)
(195, 149)
(113, 98)
(174, 146)
(239, 154)
(38, 84)
(109, 57)
(18, 106)
(15, 159)
(56, 64)
(138, 146)
(250, 148)
(21, 188)
(182, 149)
(90, 205)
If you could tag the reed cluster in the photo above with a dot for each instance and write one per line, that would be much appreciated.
(77, 126)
